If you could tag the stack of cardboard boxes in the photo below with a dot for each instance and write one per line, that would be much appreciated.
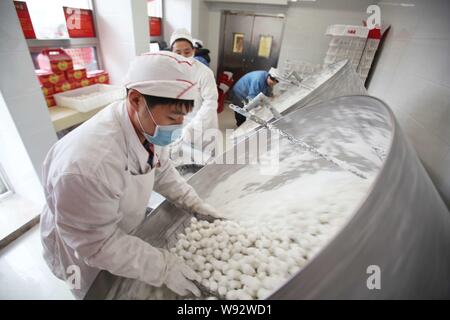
(57, 74)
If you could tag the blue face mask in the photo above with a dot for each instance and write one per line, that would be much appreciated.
(163, 135)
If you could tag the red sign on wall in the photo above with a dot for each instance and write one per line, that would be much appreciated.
(154, 25)
(25, 19)
(80, 22)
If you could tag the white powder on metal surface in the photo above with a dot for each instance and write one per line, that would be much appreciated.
(274, 227)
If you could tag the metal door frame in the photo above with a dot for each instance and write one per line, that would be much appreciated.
(243, 13)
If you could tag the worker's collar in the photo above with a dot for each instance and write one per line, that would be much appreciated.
(137, 154)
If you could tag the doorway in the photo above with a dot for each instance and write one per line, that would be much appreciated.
(250, 42)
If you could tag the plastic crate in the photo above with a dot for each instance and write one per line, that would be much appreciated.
(341, 30)
(89, 98)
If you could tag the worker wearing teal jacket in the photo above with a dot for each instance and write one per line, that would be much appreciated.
(249, 86)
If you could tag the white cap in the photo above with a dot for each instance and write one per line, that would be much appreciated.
(162, 74)
(275, 73)
(181, 34)
(198, 42)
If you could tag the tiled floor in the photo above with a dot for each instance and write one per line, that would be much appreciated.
(24, 273)
(226, 119)
(15, 211)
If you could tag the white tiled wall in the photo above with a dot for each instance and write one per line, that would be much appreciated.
(26, 131)
(123, 34)
(177, 14)
(200, 19)
(306, 23)
(413, 77)
(192, 15)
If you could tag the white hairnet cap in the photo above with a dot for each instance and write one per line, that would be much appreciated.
(181, 34)
(162, 74)
(198, 43)
(275, 73)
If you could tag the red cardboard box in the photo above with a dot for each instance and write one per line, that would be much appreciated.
(66, 86)
(49, 79)
(25, 20)
(56, 60)
(76, 75)
(86, 82)
(50, 101)
(48, 91)
(56, 78)
(79, 22)
(98, 76)
(43, 77)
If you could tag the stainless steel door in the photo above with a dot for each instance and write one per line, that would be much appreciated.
(251, 42)
(266, 43)
(237, 43)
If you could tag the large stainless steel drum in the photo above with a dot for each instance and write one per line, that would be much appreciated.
(392, 225)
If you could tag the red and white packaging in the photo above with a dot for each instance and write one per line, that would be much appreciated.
(86, 82)
(25, 20)
(50, 100)
(56, 60)
(48, 78)
(98, 76)
(76, 75)
(66, 86)
(224, 83)
(341, 30)
(79, 22)
(48, 91)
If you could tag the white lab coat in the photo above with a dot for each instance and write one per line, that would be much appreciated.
(97, 184)
(204, 114)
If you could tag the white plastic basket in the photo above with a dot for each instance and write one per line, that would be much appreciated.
(89, 98)
(347, 31)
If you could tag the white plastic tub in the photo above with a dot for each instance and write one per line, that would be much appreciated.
(90, 98)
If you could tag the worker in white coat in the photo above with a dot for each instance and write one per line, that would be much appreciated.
(99, 177)
(204, 115)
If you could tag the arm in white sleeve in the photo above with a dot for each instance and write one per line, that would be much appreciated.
(87, 217)
(170, 184)
(206, 116)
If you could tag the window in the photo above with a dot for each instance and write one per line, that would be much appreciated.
(238, 43)
(49, 23)
(265, 46)
(48, 16)
(83, 58)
